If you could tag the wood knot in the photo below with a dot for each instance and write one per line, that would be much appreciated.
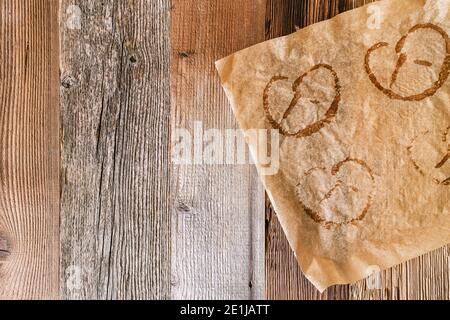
(68, 82)
(5, 248)
(186, 54)
(184, 209)
(133, 59)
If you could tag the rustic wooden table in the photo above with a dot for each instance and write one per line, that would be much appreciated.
(91, 206)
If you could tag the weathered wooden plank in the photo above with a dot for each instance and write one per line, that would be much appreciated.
(218, 225)
(115, 212)
(29, 150)
(426, 277)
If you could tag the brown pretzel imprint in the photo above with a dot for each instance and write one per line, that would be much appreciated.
(434, 167)
(313, 127)
(313, 210)
(443, 74)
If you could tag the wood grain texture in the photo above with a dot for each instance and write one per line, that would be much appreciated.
(426, 277)
(115, 99)
(29, 150)
(218, 217)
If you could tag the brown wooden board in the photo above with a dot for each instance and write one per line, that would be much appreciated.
(29, 150)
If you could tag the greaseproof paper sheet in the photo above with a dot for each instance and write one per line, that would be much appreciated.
(361, 105)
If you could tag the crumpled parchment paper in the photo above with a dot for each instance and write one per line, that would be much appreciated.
(362, 106)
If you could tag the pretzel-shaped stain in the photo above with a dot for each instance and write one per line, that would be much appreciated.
(434, 169)
(402, 60)
(339, 191)
(315, 126)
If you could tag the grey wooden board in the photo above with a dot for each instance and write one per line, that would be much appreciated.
(218, 217)
(115, 103)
